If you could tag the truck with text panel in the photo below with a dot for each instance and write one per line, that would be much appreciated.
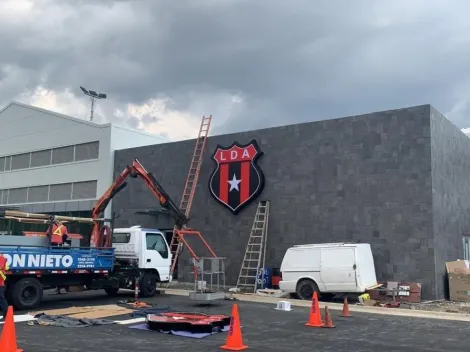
(116, 258)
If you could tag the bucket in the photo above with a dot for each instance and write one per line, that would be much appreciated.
(284, 306)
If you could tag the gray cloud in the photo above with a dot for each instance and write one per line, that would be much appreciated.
(285, 61)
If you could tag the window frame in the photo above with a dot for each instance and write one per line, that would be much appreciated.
(166, 253)
(127, 234)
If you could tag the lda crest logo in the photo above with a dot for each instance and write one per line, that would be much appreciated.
(237, 179)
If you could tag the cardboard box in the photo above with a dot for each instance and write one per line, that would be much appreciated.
(459, 280)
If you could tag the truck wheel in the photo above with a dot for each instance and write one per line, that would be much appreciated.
(148, 285)
(305, 289)
(27, 293)
(111, 291)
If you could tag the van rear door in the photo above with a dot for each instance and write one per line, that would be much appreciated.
(338, 269)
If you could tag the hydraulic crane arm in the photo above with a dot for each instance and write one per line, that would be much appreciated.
(135, 170)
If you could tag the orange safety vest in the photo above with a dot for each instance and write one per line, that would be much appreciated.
(58, 230)
(3, 268)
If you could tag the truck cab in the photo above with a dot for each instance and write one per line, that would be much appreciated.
(147, 247)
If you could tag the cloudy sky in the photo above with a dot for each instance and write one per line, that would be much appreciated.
(251, 64)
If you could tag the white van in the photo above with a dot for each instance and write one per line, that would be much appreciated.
(328, 268)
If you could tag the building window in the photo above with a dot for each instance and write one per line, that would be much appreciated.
(41, 158)
(466, 247)
(20, 161)
(84, 190)
(8, 163)
(17, 195)
(49, 193)
(62, 155)
(87, 151)
(60, 192)
(38, 194)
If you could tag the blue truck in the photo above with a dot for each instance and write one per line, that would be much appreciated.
(34, 269)
(137, 256)
(124, 258)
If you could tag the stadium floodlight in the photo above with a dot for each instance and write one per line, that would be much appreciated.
(93, 95)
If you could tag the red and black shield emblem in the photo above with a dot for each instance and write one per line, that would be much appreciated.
(237, 179)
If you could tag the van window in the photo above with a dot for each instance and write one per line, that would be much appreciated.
(156, 242)
(121, 237)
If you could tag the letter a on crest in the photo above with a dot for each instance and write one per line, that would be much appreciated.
(237, 179)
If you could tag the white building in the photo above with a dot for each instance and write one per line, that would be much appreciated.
(50, 162)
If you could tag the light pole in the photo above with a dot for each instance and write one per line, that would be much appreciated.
(93, 95)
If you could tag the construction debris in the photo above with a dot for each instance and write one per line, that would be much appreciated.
(89, 312)
(142, 309)
(272, 293)
(440, 306)
(67, 322)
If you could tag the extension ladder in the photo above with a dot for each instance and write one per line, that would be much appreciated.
(255, 253)
(190, 188)
(193, 174)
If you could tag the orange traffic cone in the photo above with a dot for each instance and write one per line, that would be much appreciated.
(234, 339)
(328, 321)
(346, 313)
(8, 338)
(314, 319)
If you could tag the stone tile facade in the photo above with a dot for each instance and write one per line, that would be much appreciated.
(375, 178)
(450, 170)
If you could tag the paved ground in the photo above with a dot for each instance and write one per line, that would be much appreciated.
(264, 329)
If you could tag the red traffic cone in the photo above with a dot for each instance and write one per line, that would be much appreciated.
(8, 338)
(346, 313)
(314, 319)
(234, 339)
(328, 321)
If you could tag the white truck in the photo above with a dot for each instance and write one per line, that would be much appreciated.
(149, 250)
(327, 268)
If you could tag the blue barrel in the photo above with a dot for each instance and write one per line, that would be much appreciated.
(264, 278)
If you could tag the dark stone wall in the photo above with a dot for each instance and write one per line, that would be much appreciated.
(450, 150)
(364, 178)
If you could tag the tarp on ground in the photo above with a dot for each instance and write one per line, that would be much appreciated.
(69, 322)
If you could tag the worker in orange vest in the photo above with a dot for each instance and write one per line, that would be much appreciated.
(3, 301)
(59, 233)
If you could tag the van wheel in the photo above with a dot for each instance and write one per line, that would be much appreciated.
(306, 288)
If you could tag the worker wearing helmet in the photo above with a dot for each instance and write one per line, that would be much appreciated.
(3, 301)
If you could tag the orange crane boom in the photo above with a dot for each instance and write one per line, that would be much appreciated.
(98, 236)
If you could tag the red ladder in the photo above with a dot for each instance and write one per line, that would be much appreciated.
(177, 240)
(196, 162)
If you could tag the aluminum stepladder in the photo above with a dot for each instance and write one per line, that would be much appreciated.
(176, 245)
(255, 252)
